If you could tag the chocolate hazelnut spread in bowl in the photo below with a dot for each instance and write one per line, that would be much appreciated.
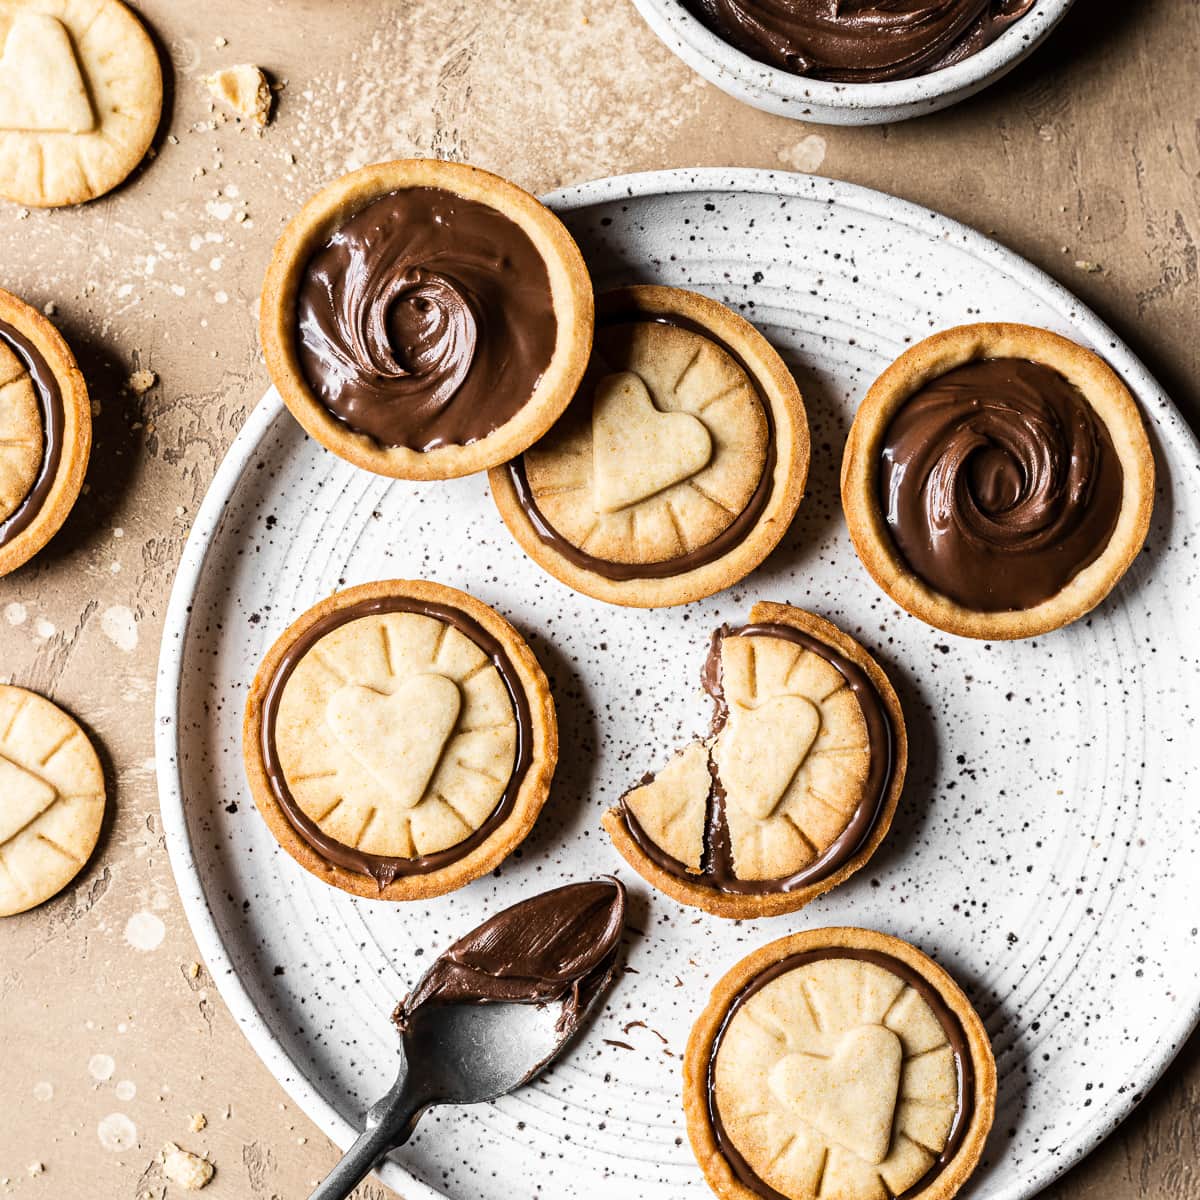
(852, 62)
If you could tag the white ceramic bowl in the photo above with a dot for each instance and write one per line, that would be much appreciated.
(825, 103)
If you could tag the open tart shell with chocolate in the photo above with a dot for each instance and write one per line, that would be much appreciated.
(838, 1063)
(400, 739)
(45, 431)
(796, 784)
(426, 319)
(998, 481)
(678, 466)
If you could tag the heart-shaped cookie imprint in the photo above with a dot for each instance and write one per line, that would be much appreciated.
(849, 1097)
(399, 738)
(637, 450)
(762, 748)
(41, 85)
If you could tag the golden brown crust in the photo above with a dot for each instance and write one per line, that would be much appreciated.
(790, 475)
(531, 796)
(52, 799)
(934, 357)
(118, 65)
(571, 292)
(704, 1033)
(738, 906)
(77, 432)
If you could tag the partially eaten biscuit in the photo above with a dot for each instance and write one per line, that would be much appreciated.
(793, 788)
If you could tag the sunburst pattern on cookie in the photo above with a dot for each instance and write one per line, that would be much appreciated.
(21, 433)
(808, 1091)
(80, 97)
(396, 735)
(51, 799)
(793, 759)
(793, 756)
(659, 453)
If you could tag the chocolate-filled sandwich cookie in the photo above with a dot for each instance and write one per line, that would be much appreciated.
(679, 464)
(400, 739)
(45, 431)
(838, 1063)
(998, 481)
(796, 784)
(426, 319)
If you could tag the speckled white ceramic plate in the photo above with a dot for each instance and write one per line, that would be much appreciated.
(788, 95)
(1046, 848)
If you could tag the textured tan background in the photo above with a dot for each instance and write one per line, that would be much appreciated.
(1089, 153)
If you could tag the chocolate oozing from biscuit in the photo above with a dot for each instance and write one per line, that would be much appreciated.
(859, 41)
(620, 324)
(53, 421)
(933, 1158)
(999, 483)
(426, 320)
(385, 868)
(716, 865)
(559, 947)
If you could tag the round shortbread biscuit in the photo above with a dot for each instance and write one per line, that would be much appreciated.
(45, 431)
(791, 791)
(838, 1062)
(80, 99)
(792, 757)
(400, 739)
(396, 735)
(51, 799)
(1110, 402)
(679, 463)
(664, 457)
(330, 211)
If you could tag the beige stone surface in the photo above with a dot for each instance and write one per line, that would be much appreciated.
(112, 1040)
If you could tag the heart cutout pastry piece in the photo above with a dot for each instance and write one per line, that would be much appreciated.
(638, 451)
(398, 739)
(761, 749)
(850, 1097)
(41, 85)
(25, 797)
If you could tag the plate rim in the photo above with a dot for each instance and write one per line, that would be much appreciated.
(169, 677)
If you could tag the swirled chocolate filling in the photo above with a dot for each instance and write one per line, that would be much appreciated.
(718, 870)
(426, 320)
(859, 41)
(382, 868)
(53, 430)
(946, 1017)
(999, 483)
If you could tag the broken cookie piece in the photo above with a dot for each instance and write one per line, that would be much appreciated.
(244, 89)
(794, 787)
(183, 1167)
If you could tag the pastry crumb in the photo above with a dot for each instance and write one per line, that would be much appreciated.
(140, 382)
(188, 1170)
(245, 90)
(36, 1168)
(1086, 264)
(198, 1122)
(193, 970)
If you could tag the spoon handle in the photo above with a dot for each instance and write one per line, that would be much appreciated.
(390, 1123)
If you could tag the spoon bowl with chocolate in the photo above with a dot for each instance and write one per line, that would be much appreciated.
(493, 1012)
